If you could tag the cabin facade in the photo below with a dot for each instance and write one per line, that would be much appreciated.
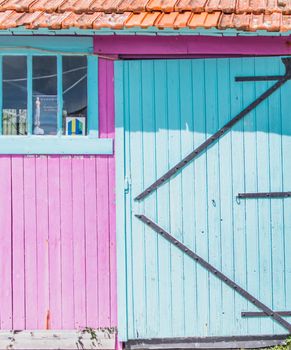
(145, 189)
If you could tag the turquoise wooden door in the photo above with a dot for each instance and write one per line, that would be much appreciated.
(164, 110)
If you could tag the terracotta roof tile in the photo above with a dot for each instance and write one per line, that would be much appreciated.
(150, 19)
(11, 20)
(135, 20)
(197, 20)
(21, 6)
(161, 5)
(113, 20)
(190, 5)
(286, 23)
(134, 6)
(246, 15)
(167, 20)
(226, 6)
(182, 20)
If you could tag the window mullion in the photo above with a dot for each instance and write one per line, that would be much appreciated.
(92, 82)
(29, 96)
(60, 93)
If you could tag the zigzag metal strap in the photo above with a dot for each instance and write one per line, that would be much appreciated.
(212, 139)
(155, 227)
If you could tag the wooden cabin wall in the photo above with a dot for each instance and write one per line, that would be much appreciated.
(57, 219)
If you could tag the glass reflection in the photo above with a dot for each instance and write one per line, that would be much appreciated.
(75, 95)
(45, 108)
(14, 85)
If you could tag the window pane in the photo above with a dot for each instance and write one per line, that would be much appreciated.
(14, 86)
(75, 95)
(44, 96)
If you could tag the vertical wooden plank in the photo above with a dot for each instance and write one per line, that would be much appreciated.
(30, 243)
(137, 181)
(128, 190)
(6, 243)
(60, 94)
(200, 205)
(187, 177)
(213, 195)
(55, 279)
(277, 209)
(122, 282)
(91, 242)
(149, 164)
(238, 185)
(79, 241)
(67, 242)
(92, 83)
(264, 205)
(18, 261)
(251, 183)
(286, 178)
(41, 174)
(174, 146)
(29, 96)
(110, 115)
(162, 198)
(224, 101)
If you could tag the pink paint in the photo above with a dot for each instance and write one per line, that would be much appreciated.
(18, 260)
(67, 243)
(41, 174)
(30, 234)
(5, 246)
(57, 252)
(168, 46)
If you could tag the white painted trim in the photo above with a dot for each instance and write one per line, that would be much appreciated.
(57, 339)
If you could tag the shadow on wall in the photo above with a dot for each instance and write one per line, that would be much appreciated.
(201, 95)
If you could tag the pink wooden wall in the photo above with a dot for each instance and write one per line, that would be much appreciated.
(57, 220)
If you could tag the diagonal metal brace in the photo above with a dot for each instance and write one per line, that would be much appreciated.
(212, 139)
(155, 227)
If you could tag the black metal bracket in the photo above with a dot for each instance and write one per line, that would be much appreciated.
(212, 139)
(264, 195)
(263, 314)
(155, 227)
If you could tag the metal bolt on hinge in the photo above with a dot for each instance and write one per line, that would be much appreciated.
(127, 183)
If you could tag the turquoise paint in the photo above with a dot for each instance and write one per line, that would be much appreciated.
(60, 93)
(55, 145)
(92, 81)
(40, 45)
(30, 46)
(122, 185)
(165, 108)
(29, 96)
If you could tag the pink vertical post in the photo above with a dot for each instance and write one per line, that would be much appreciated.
(18, 242)
(107, 129)
(41, 185)
(66, 198)
(79, 241)
(30, 242)
(5, 246)
(91, 240)
(55, 293)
